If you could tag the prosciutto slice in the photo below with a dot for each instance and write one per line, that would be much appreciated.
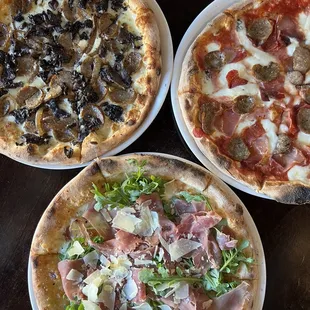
(225, 242)
(153, 201)
(233, 300)
(141, 296)
(126, 242)
(183, 207)
(97, 220)
(71, 288)
(198, 223)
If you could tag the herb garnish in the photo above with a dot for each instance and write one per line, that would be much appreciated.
(197, 197)
(127, 192)
(74, 306)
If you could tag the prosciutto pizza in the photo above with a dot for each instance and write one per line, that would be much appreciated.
(77, 77)
(144, 232)
(245, 96)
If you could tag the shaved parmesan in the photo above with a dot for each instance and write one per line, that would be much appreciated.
(144, 306)
(123, 307)
(299, 173)
(106, 215)
(171, 189)
(149, 222)
(164, 243)
(88, 305)
(92, 277)
(75, 276)
(107, 297)
(104, 261)
(130, 289)
(182, 247)
(75, 249)
(91, 259)
(271, 130)
(139, 262)
(160, 254)
(164, 307)
(182, 291)
(126, 222)
(92, 292)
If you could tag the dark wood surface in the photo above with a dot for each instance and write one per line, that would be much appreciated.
(25, 192)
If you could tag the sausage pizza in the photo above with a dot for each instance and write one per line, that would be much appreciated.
(245, 95)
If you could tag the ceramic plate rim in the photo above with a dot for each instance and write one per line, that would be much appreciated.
(167, 53)
(261, 263)
(193, 31)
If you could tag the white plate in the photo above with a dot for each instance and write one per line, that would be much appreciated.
(166, 75)
(257, 244)
(207, 15)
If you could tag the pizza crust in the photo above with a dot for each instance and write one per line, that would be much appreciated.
(49, 235)
(95, 144)
(189, 91)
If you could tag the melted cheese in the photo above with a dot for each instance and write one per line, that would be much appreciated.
(271, 130)
(260, 57)
(303, 138)
(304, 23)
(299, 173)
(245, 124)
(242, 90)
(291, 48)
(213, 47)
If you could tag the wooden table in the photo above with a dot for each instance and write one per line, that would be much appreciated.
(25, 192)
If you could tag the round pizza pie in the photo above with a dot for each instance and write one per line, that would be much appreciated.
(145, 232)
(77, 77)
(245, 96)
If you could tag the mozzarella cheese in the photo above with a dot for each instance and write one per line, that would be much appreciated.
(304, 23)
(303, 138)
(299, 173)
(261, 57)
(242, 90)
(212, 47)
(291, 48)
(271, 130)
(244, 124)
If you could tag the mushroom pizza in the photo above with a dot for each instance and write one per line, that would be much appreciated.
(77, 78)
(244, 94)
(145, 232)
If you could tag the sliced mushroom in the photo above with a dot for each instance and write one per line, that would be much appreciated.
(215, 60)
(112, 77)
(46, 121)
(30, 126)
(96, 69)
(105, 21)
(35, 100)
(238, 150)
(266, 73)
(100, 89)
(68, 11)
(133, 62)
(56, 87)
(7, 104)
(87, 67)
(301, 59)
(25, 93)
(244, 104)
(110, 32)
(91, 110)
(65, 40)
(27, 66)
(295, 77)
(260, 30)
(64, 136)
(122, 95)
(303, 120)
(4, 35)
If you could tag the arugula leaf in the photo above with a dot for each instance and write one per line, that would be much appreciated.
(127, 192)
(233, 258)
(74, 306)
(64, 253)
(198, 197)
(213, 281)
(98, 239)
